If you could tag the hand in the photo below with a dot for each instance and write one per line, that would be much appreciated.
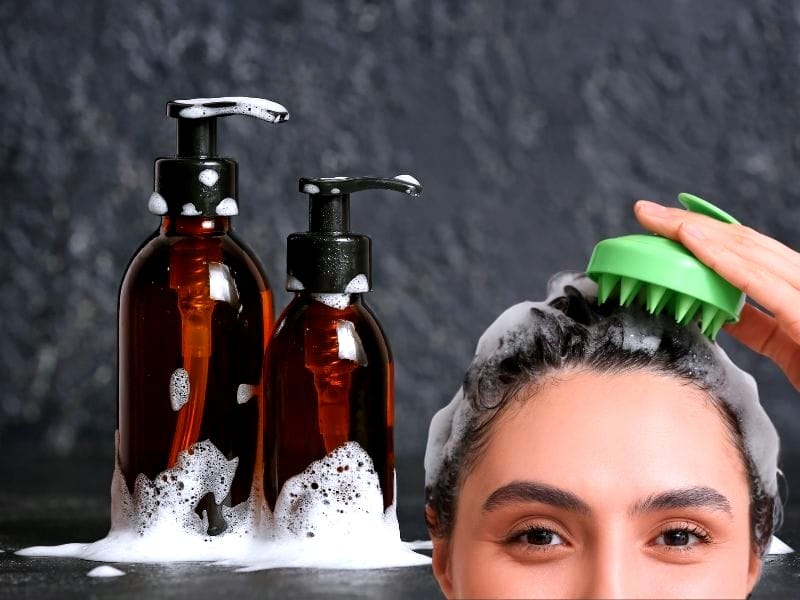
(763, 268)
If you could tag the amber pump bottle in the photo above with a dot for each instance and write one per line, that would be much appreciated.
(328, 368)
(195, 312)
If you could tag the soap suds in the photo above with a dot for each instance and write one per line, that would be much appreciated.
(227, 207)
(350, 346)
(633, 329)
(189, 210)
(293, 284)
(260, 108)
(222, 286)
(105, 571)
(208, 177)
(179, 387)
(357, 285)
(157, 205)
(335, 191)
(310, 188)
(340, 301)
(330, 516)
(244, 392)
(408, 179)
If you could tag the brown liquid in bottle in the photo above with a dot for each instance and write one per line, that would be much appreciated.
(168, 319)
(317, 400)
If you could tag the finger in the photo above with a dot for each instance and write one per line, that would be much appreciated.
(666, 221)
(710, 241)
(763, 334)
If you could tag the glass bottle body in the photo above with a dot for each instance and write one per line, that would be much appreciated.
(329, 380)
(194, 298)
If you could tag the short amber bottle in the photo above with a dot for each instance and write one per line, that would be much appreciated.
(328, 368)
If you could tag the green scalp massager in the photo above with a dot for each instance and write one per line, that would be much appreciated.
(661, 274)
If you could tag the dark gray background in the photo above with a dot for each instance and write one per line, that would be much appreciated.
(532, 125)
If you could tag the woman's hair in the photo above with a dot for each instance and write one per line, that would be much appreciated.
(571, 331)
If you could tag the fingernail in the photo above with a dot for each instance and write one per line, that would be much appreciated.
(693, 231)
(652, 209)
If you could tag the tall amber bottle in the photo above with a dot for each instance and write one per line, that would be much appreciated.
(328, 368)
(195, 313)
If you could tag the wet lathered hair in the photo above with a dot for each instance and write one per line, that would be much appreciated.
(570, 330)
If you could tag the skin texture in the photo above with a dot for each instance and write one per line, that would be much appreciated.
(763, 268)
(608, 463)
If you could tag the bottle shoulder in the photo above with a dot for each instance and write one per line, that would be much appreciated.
(152, 259)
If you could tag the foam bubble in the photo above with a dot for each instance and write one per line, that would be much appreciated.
(310, 188)
(157, 205)
(189, 210)
(340, 301)
(408, 179)
(105, 571)
(778, 546)
(357, 285)
(244, 392)
(179, 388)
(208, 177)
(293, 284)
(227, 208)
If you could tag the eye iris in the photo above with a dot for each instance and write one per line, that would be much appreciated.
(539, 537)
(676, 538)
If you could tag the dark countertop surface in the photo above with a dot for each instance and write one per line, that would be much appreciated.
(59, 500)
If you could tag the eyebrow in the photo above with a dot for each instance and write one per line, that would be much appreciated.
(691, 497)
(533, 491)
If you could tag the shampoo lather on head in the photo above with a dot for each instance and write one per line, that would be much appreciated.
(195, 312)
(328, 368)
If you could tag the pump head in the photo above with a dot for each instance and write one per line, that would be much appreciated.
(196, 182)
(328, 258)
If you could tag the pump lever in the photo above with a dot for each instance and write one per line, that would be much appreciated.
(204, 108)
(342, 186)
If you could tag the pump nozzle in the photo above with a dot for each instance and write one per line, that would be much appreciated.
(327, 257)
(196, 182)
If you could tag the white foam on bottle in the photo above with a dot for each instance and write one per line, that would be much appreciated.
(310, 188)
(244, 392)
(293, 284)
(105, 571)
(157, 205)
(222, 285)
(227, 207)
(179, 388)
(357, 285)
(208, 177)
(349, 342)
(338, 499)
(260, 108)
(158, 522)
(408, 179)
(189, 210)
(331, 516)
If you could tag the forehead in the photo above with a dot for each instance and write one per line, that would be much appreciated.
(588, 432)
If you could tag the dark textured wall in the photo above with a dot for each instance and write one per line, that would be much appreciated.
(532, 125)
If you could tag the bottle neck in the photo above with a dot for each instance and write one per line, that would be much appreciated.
(196, 226)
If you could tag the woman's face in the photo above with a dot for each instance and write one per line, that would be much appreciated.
(610, 486)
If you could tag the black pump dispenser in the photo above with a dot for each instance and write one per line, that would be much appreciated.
(196, 182)
(328, 258)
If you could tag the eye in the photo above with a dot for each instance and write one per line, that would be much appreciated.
(682, 536)
(540, 536)
(536, 537)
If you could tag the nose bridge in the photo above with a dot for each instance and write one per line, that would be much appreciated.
(610, 563)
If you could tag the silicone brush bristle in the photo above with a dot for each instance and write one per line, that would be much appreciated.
(657, 298)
